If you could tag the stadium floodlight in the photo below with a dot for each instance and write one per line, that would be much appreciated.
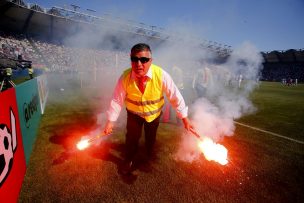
(75, 7)
(91, 10)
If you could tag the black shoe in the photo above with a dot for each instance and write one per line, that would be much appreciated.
(126, 167)
(146, 166)
(151, 156)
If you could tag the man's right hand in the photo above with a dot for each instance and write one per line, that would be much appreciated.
(108, 129)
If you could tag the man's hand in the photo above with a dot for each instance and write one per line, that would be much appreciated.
(190, 128)
(108, 127)
(187, 124)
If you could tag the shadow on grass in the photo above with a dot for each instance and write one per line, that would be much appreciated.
(107, 151)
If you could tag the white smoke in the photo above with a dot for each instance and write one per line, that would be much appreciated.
(213, 114)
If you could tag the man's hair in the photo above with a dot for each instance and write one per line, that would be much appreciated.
(140, 47)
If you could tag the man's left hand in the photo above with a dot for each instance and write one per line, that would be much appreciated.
(187, 124)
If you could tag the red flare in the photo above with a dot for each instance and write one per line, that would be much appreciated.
(211, 150)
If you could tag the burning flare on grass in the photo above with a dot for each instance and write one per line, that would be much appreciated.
(213, 151)
(85, 142)
(81, 145)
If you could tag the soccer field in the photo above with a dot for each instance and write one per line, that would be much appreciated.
(262, 167)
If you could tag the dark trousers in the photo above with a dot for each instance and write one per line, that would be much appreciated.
(135, 124)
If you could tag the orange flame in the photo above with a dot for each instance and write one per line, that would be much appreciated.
(81, 145)
(213, 151)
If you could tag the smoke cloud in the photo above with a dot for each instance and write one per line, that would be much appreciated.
(226, 98)
(213, 114)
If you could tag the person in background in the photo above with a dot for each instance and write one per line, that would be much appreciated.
(201, 80)
(6, 79)
(30, 71)
(240, 79)
(141, 88)
(178, 78)
(9, 73)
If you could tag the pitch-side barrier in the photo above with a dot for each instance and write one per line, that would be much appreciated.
(21, 108)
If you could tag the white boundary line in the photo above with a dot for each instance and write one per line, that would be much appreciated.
(271, 133)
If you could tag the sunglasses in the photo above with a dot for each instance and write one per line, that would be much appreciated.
(141, 59)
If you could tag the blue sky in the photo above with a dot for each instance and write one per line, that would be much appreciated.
(268, 24)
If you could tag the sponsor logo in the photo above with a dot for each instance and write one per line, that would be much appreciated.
(29, 109)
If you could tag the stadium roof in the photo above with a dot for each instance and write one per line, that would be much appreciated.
(33, 20)
(21, 17)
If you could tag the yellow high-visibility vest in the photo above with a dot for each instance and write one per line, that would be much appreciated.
(30, 71)
(9, 71)
(149, 104)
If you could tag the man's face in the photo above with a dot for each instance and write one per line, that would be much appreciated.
(141, 62)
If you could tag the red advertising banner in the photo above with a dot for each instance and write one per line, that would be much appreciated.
(12, 158)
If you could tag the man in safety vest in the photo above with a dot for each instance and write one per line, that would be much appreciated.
(6, 79)
(141, 89)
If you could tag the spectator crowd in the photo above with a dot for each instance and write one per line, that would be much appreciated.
(60, 58)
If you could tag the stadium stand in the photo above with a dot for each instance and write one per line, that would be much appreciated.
(50, 23)
(35, 34)
(58, 58)
(283, 65)
(64, 58)
(17, 46)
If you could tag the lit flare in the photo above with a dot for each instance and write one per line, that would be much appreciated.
(85, 143)
(81, 145)
(213, 151)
